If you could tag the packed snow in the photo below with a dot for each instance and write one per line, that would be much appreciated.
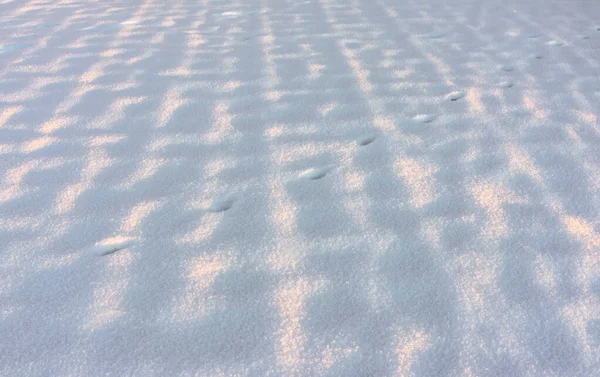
(299, 188)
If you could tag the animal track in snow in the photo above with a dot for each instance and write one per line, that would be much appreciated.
(221, 204)
(366, 140)
(111, 245)
(134, 22)
(456, 95)
(424, 118)
(231, 14)
(236, 14)
(315, 173)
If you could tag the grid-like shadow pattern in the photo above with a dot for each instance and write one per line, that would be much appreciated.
(434, 235)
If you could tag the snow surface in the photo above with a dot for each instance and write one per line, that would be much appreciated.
(284, 188)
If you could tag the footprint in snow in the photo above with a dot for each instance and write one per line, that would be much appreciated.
(456, 95)
(506, 67)
(221, 204)
(133, 23)
(315, 173)
(110, 246)
(236, 14)
(231, 14)
(506, 84)
(424, 118)
(366, 140)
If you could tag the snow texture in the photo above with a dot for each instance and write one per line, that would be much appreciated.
(241, 188)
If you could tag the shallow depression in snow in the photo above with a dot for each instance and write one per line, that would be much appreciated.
(111, 245)
(456, 95)
(315, 173)
(424, 118)
(366, 140)
(221, 203)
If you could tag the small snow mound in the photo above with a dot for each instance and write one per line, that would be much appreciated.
(554, 43)
(424, 118)
(221, 204)
(315, 173)
(506, 67)
(366, 140)
(456, 95)
(111, 245)
(506, 84)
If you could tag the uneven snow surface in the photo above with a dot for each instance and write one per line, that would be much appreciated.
(299, 188)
